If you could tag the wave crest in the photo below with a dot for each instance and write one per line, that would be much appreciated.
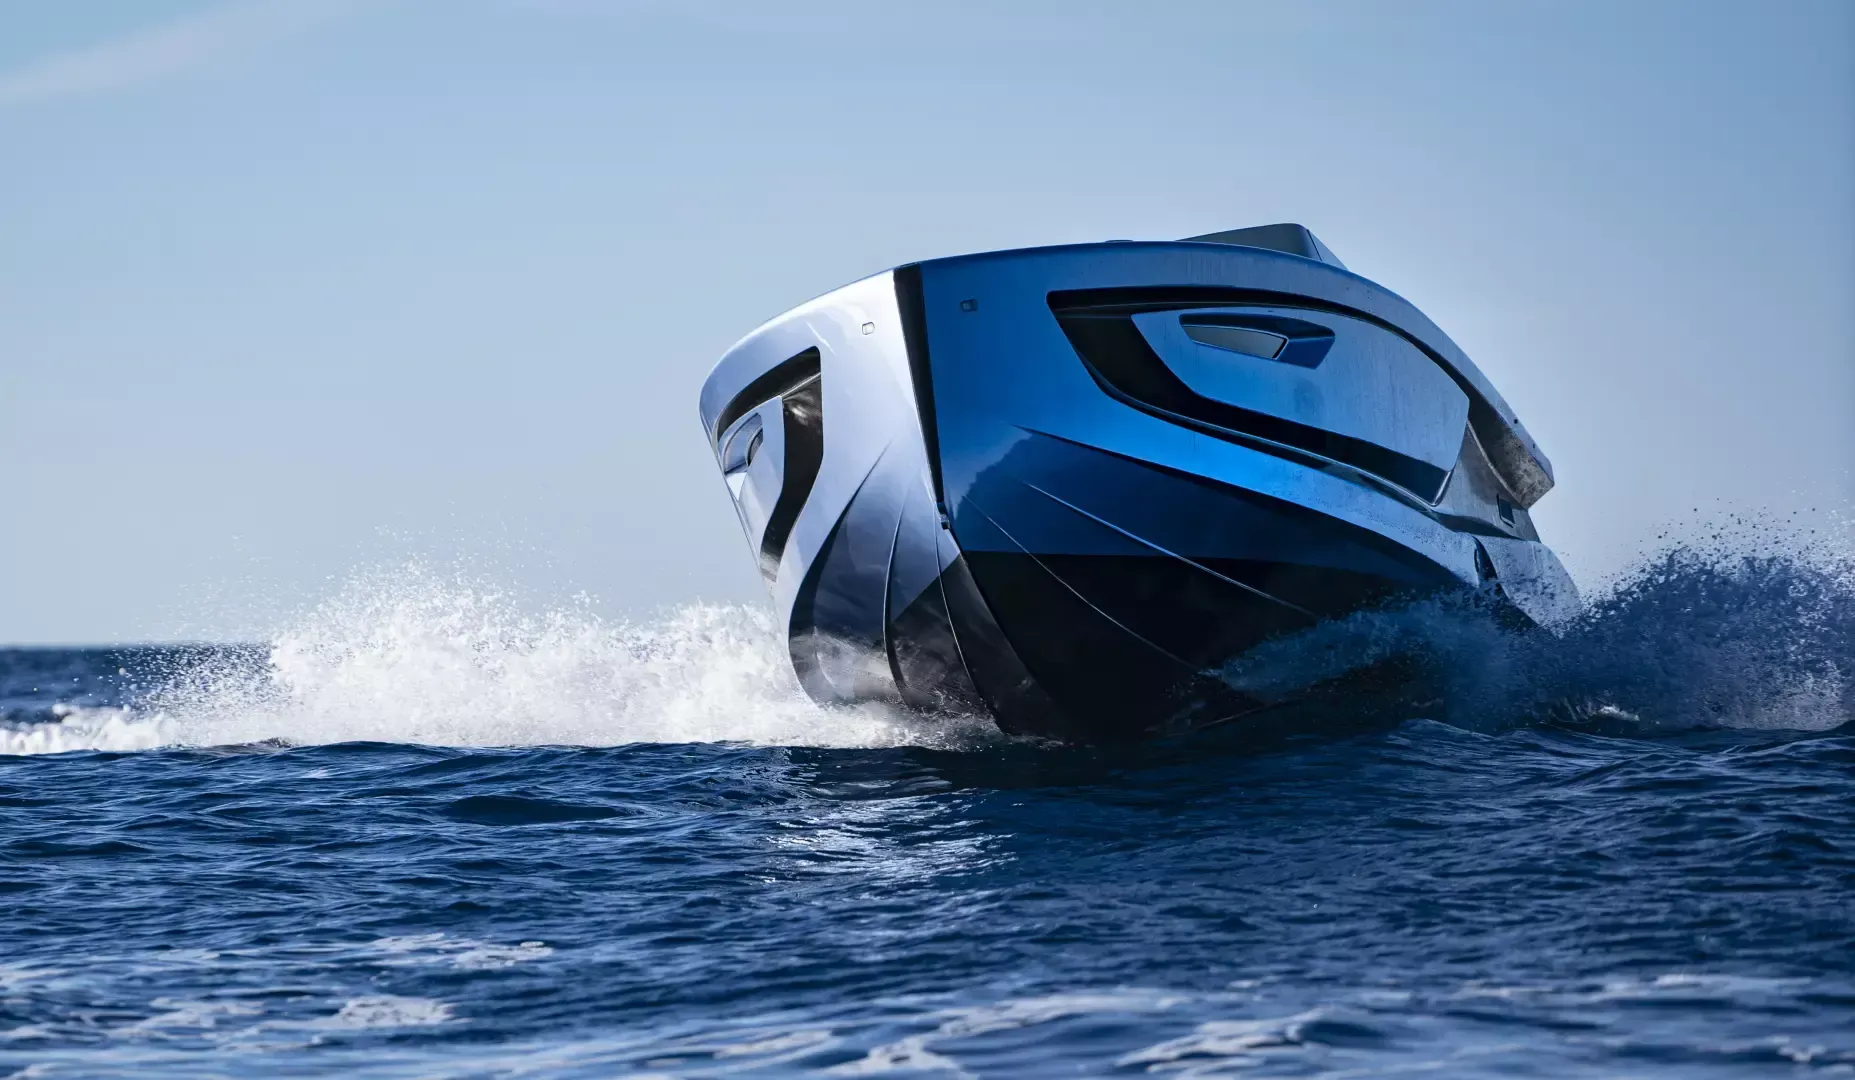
(412, 655)
(1692, 638)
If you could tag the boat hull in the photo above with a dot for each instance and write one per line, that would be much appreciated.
(1067, 487)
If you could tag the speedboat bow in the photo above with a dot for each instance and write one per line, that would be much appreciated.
(1067, 487)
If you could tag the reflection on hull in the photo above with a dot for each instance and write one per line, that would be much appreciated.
(1066, 486)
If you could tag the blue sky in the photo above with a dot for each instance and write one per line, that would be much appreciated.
(288, 287)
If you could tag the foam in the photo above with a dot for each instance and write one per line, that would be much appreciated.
(915, 1053)
(1692, 637)
(464, 954)
(86, 729)
(1743, 632)
(410, 654)
(389, 1011)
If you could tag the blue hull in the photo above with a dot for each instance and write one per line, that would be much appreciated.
(1065, 486)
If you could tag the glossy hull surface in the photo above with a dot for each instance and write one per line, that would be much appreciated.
(1066, 487)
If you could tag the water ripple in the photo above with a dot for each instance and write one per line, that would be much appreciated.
(1632, 887)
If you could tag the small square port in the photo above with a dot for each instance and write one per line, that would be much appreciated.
(1505, 509)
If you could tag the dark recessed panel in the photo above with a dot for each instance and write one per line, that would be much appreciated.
(1237, 339)
(1271, 337)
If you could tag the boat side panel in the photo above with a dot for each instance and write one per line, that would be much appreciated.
(862, 583)
(1369, 384)
(1219, 267)
(1003, 370)
(866, 399)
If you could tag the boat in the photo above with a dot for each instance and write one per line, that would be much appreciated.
(1072, 487)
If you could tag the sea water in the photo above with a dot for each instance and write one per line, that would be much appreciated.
(425, 832)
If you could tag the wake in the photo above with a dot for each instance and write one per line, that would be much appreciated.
(1691, 638)
(413, 655)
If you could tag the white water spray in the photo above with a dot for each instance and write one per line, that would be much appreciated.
(415, 656)
(1707, 637)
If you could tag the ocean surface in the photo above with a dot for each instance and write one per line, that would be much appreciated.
(424, 832)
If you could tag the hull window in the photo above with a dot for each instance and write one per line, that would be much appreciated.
(783, 378)
(742, 446)
(1237, 339)
(803, 409)
(771, 464)
(1124, 365)
(1291, 341)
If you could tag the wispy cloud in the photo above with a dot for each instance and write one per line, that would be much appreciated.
(165, 51)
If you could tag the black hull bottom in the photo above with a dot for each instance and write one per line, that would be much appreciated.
(1121, 588)
(1091, 598)
(1114, 648)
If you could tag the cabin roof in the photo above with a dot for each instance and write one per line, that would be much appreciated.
(1285, 237)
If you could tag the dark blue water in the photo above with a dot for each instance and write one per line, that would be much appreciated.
(1629, 851)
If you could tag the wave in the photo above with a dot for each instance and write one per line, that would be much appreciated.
(414, 655)
(1695, 637)
(68, 728)
(1691, 639)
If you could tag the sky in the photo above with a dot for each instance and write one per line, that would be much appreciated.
(292, 288)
